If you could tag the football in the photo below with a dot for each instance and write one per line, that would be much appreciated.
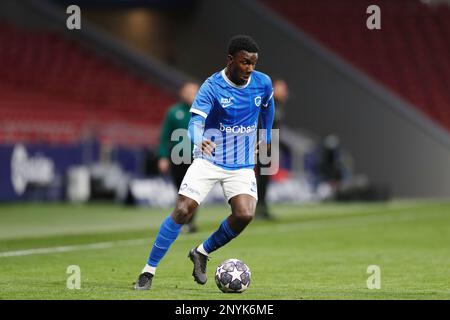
(233, 276)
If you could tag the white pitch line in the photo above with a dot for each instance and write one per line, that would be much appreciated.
(90, 246)
(337, 221)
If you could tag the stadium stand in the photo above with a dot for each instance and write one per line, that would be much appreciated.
(409, 55)
(54, 90)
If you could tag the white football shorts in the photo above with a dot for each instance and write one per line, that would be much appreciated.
(202, 175)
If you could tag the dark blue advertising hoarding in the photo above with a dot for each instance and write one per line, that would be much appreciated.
(29, 172)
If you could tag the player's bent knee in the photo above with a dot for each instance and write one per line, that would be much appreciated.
(181, 214)
(244, 215)
(184, 209)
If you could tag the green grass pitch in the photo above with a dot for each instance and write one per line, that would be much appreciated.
(310, 252)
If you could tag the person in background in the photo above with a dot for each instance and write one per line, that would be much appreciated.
(281, 96)
(177, 117)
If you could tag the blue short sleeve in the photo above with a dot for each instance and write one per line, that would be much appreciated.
(204, 100)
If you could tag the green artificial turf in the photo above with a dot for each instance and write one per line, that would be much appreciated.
(319, 251)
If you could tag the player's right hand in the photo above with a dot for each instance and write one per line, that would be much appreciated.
(208, 147)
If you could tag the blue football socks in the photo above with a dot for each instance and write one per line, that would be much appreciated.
(220, 237)
(167, 234)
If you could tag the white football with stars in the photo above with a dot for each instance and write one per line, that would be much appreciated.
(233, 276)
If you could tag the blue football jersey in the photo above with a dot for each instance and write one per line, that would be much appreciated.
(231, 117)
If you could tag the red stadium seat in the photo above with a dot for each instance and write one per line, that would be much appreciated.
(53, 90)
(410, 56)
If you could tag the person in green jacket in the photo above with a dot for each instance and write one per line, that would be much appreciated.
(177, 117)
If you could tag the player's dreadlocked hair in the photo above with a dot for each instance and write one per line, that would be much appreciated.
(242, 42)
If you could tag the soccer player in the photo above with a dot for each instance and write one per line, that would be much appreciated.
(223, 129)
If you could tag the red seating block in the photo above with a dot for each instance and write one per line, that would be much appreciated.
(410, 55)
(54, 90)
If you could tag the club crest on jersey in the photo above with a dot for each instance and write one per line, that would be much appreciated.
(258, 101)
(226, 102)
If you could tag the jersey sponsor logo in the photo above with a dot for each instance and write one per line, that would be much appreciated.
(258, 101)
(237, 129)
(185, 187)
(226, 102)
